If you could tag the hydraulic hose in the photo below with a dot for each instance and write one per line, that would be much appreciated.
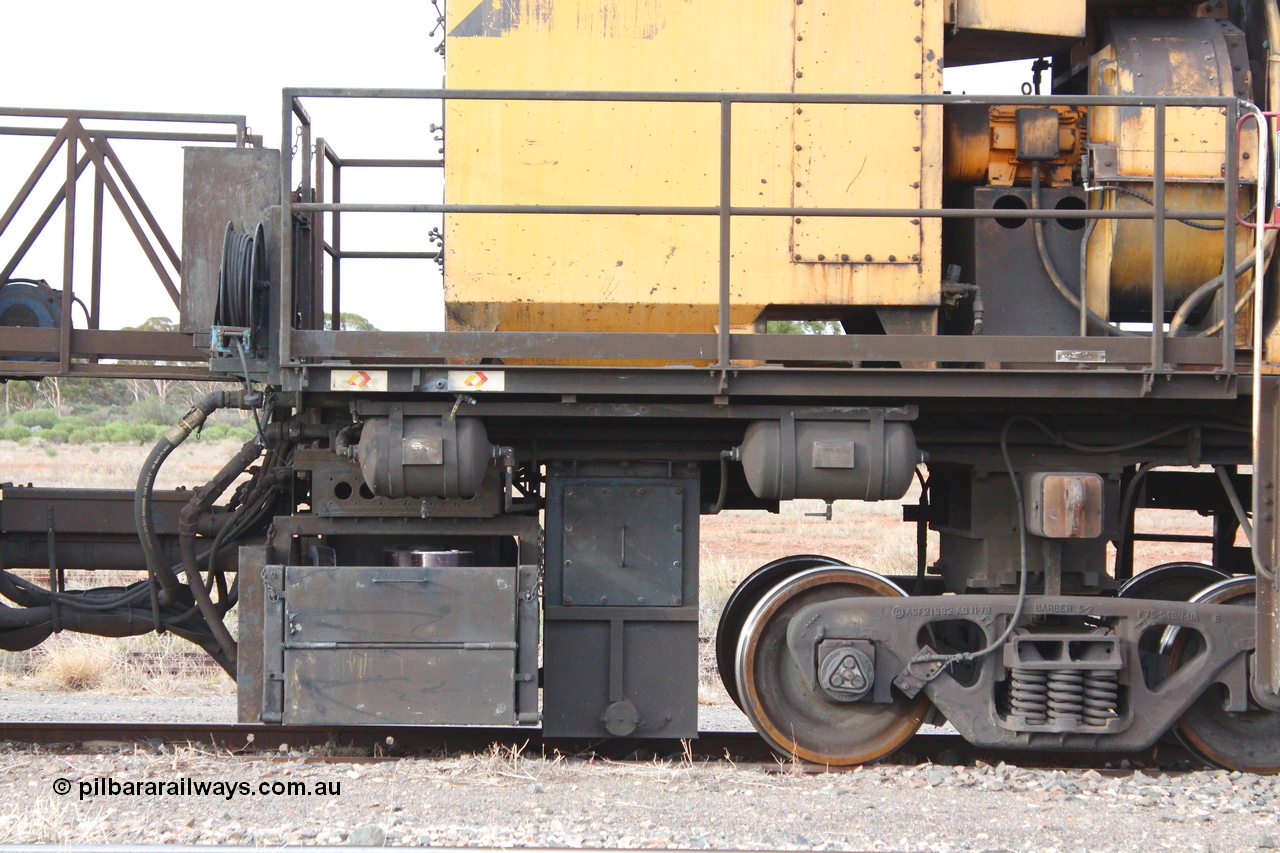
(1193, 301)
(160, 573)
(200, 503)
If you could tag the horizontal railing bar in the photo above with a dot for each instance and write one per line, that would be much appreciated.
(157, 135)
(758, 97)
(364, 256)
(96, 343)
(684, 210)
(390, 162)
(114, 115)
(326, 345)
(25, 369)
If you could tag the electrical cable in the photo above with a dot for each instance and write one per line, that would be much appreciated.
(1055, 278)
(947, 660)
(1151, 203)
(1020, 502)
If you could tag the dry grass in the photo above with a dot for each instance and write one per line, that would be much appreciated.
(112, 466)
(45, 820)
(147, 665)
(73, 662)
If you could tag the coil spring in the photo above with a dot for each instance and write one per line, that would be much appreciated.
(1066, 696)
(1101, 696)
(1029, 695)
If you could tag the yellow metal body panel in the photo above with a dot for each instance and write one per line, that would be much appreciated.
(660, 273)
(1059, 18)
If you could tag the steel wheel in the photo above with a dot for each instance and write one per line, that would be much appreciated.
(1171, 581)
(1167, 582)
(776, 697)
(1248, 741)
(743, 599)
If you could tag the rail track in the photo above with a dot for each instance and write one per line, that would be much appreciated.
(402, 741)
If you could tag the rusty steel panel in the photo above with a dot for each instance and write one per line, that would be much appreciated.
(1064, 506)
(24, 509)
(221, 185)
(1266, 543)
(429, 687)
(327, 604)
(250, 661)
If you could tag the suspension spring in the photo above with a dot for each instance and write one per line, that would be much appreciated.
(1101, 696)
(1029, 695)
(1066, 696)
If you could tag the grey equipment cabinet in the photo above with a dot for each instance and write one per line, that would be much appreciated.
(354, 645)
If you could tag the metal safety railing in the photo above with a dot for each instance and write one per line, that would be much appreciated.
(1158, 354)
(84, 141)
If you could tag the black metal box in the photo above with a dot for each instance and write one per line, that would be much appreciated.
(621, 602)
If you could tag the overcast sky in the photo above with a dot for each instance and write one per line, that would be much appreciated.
(234, 59)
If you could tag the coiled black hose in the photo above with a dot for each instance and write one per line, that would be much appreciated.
(243, 262)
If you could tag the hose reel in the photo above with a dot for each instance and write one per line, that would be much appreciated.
(242, 285)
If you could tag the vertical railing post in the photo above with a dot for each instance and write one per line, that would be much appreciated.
(95, 273)
(1157, 246)
(286, 230)
(1266, 540)
(68, 253)
(317, 242)
(336, 282)
(1230, 194)
(726, 199)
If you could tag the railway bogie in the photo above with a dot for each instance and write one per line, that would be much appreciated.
(1055, 311)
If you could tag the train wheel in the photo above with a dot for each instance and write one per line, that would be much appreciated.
(1167, 582)
(1248, 741)
(790, 715)
(743, 599)
(1171, 581)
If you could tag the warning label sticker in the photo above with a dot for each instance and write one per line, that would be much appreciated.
(358, 380)
(477, 380)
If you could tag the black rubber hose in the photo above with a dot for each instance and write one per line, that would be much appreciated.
(157, 568)
(200, 503)
(1183, 315)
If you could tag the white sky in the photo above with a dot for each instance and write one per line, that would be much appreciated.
(235, 59)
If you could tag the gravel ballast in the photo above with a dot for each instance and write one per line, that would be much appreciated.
(504, 799)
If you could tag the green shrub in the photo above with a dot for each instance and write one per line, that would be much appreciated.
(83, 435)
(213, 431)
(43, 418)
(14, 433)
(115, 432)
(49, 451)
(150, 409)
(144, 432)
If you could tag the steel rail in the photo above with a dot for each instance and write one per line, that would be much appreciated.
(404, 741)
